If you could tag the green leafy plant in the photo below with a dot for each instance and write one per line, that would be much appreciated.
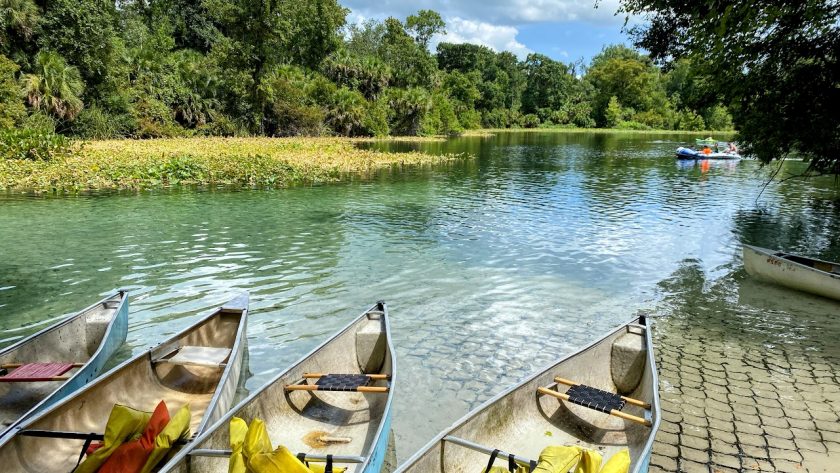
(33, 145)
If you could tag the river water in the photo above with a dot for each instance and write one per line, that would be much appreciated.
(492, 266)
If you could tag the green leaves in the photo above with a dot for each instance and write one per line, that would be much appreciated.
(35, 145)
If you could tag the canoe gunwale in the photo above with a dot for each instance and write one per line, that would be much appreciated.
(772, 254)
(70, 318)
(381, 307)
(236, 352)
(144, 357)
(119, 311)
(655, 411)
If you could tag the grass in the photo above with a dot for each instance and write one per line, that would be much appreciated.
(253, 162)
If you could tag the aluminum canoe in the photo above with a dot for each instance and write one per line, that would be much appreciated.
(351, 426)
(180, 370)
(87, 339)
(794, 271)
(522, 420)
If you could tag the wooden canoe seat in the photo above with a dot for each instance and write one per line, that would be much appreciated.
(597, 399)
(199, 356)
(35, 372)
(341, 383)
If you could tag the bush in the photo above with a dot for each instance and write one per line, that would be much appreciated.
(36, 145)
(690, 120)
(375, 122)
(631, 125)
(97, 124)
(39, 121)
(531, 121)
(12, 111)
(718, 118)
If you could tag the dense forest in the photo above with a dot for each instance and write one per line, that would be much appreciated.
(158, 68)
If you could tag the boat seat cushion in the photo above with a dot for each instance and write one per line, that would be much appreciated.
(37, 372)
(595, 398)
(201, 356)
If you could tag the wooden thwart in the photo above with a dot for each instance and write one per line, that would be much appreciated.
(18, 365)
(613, 412)
(628, 400)
(321, 375)
(314, 387)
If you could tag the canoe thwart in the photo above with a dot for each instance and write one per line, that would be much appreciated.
(490, 451)
(9, 366)
(58, 434)
(308, 457)
(612, 412)
(371, 376)
(34, 372)
(628, 400)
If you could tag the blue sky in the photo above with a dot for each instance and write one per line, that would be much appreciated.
(562, 29)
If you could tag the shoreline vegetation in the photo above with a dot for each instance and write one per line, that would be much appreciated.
(242, 162)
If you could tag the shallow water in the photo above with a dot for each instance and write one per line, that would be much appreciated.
(491, 266)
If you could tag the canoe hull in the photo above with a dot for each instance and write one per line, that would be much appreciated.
(686, 153)
(767, 265)
(140, 382)
(298, 419)
(521, 422)
(113, 337)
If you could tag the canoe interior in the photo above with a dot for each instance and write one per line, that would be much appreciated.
(824, 266)
(140, 383)
(74, 340)
(522, 423)
(300, 420)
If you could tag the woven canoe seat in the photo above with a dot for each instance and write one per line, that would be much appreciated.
(342, 382)
(595, 398)
(37, 372)
(200, 356)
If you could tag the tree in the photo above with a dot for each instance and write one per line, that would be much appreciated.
(55, 87)
(18, 23)
(423, 25)
(12, 111)
(549, 84)
(782, 68)
(83, 33)
(614, 113)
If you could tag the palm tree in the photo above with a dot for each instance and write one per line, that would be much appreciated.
(346, 111)
(55, 86)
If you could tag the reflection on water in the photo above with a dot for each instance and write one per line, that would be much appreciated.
(492, 267)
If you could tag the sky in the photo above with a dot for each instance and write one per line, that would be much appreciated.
(564, 30)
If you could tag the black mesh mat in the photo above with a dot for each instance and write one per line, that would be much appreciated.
(342, 382)
(594, 398)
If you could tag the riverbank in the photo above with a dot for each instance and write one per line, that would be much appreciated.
(704, 133)
(252, 162)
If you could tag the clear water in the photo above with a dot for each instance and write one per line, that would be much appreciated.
(492, 267)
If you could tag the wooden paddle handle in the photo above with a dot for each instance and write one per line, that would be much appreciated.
(18, 365)
(371, 376)
(314, 387)
(628, 400)
(613, 412)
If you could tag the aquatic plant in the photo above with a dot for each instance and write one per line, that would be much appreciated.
(253, 162)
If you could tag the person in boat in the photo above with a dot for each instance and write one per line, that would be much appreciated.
(707, 151)
(731, 148)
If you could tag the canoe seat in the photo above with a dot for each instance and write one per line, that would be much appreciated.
(341, 382)
(595, 398)
(33, 372)
(199, 356)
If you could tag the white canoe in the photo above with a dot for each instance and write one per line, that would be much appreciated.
(532, 415)
(306, 415)
(86, 340)
(797, 272)
(200, 366)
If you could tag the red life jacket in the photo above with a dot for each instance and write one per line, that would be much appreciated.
(130, 457)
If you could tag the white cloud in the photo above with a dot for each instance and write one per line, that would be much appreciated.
(499, 11)
(495, 37)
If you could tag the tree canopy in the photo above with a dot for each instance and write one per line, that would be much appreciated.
(156, 68)
(774, 64)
